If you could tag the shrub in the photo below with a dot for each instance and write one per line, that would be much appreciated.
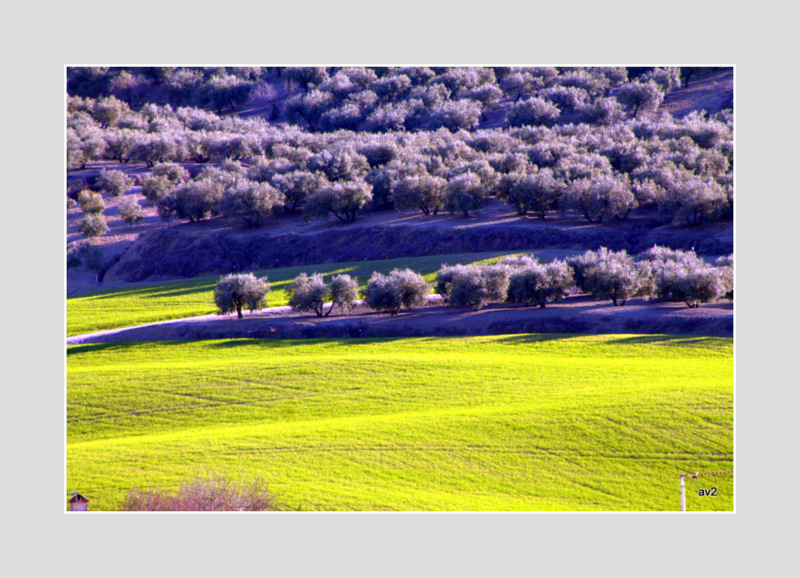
(539, 283)
(235, 291)
(93, 225)
(130, 211)
(91, 202)
(206, 494)
(400, 288)
(114, 182)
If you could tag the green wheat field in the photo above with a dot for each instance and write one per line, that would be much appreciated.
(522, 422)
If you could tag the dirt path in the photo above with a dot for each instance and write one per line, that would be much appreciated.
(579, 314)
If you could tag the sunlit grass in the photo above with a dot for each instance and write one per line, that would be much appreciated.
(523, 422)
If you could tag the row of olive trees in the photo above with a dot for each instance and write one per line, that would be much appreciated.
(401, 288)
(666, 274)
(662, 273)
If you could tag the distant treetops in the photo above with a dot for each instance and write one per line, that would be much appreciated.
(351, 140)
(658, 273)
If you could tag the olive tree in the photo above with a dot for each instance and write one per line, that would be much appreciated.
(93, 225)
(640, 96)
(465, 193)
(539, 283)
(600, 197)
(473, 285)
(610, 275)
(130, 211)
(400, 288)
(91, 202)
(156, 187)
(250, 201)
(198, 199)
(343, 200)
(533, 111)
(297, 187)
(238, 290)
(114, 182)
(677, 275)
(311, 293)
(691, 283)
(424, 192)
(538, 193)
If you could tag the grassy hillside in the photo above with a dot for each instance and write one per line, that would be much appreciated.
(526, 422)
(124, 307)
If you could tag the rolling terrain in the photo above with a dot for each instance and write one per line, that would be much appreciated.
(518, 422)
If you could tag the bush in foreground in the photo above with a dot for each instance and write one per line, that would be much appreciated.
(212, 493)
(238, 290)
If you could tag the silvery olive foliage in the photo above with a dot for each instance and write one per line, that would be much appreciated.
(311, 293)
(682, 276)
(342, 200)
(610, 275)
(114, 182)
(93, 225)
(91, 202)
(130, 211)
(400, 130)
(540, 283)
(236, 291)
(401, 288)
(250, 201)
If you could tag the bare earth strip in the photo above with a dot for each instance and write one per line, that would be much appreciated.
(578, 314)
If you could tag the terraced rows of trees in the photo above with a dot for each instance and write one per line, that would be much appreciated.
(337, 142)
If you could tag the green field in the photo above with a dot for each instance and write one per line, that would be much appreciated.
(523, 422)
(146, 303)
